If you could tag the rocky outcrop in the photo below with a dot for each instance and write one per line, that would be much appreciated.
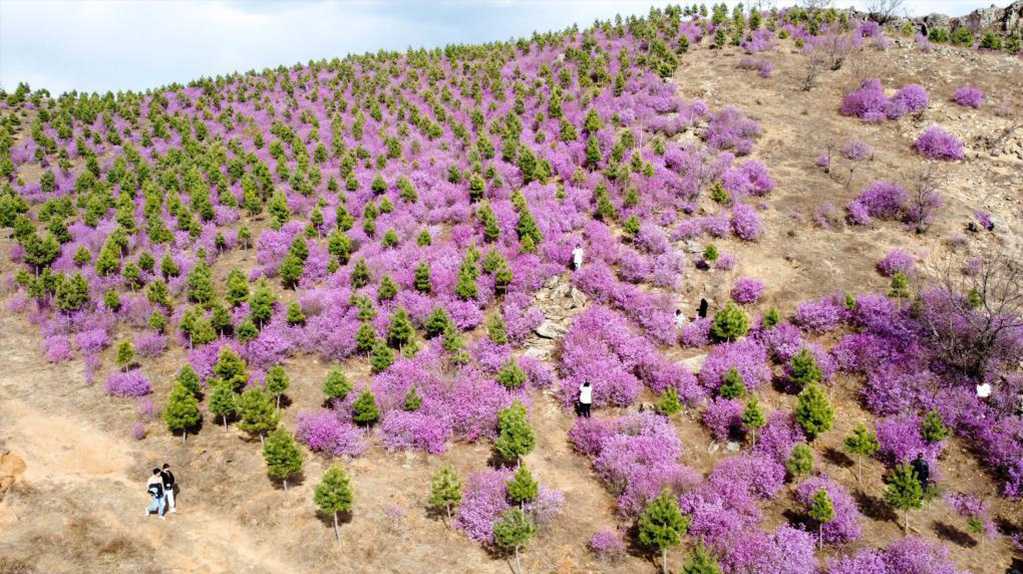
(1006, 21)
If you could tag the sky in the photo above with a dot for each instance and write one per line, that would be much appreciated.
(103, 45)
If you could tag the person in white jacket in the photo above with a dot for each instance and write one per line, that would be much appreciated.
(585, 399)
(577, 257)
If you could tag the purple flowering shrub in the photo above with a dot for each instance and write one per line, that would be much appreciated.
(936, 143)
(484, 499)
(896, 261)
(910, 555)
(128, 384)
(637, 456)
(870, 104)
(879, 200)
(969, 97)
(325, 432)
(747, 290)
(607, 544)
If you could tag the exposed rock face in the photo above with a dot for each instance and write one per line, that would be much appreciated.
(1007, 20)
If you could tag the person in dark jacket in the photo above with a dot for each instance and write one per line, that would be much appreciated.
(168, 487)
(154, 486)
(922, 470)
(702, 311)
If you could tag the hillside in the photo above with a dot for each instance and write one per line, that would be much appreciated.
(393, 234)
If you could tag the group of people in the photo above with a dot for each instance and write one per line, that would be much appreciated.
(160, 487)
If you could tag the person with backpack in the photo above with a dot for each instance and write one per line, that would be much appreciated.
(154, 486)
(168, 487)
(585, 399)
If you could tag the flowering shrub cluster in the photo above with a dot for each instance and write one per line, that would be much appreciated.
(910, 554)
(870, 104)
(845, 526)
(637, 456)
(936, 143)
(969, 97)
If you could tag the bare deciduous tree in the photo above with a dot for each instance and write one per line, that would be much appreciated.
(924, 200)
(975, 318)
(885, 11)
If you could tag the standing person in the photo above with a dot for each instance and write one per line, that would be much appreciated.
(922, 470)
(577, 256)
(585, 399)
(702, 311)
(154, 486)
(168, 487)
(680, 319)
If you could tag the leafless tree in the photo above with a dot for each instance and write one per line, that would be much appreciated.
(924, 200)
(975, 318)
(885, 11)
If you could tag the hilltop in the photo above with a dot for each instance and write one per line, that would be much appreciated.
(382, 245)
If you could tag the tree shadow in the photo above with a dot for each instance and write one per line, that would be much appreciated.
(950, 533)
(838, 458)
(327, 519)
(874, 507)
(1016, 567)
(293, 481)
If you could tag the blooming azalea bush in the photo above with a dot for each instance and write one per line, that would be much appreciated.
(936, 143)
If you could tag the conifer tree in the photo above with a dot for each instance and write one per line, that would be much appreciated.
(333, 495)
(189, 379)
(512, 531)
(182, 411)
(496, 330)
(277, 383)
(522, 488)
(753, 417)
(862, 443)
(422, 278)
(822, 511)
(813, 411)
(729, 323)
(200, 284)
(701, 562)
(401, 332)
(668, 403)
(223, 400)
(932, 428)
(282, 455)
(336, 386)
(803, 369)
(662, 525)
(445, 491)
(511, 376)
(381, 358)
(125, 355)
(257, 412)
(412, 401)
(903, 491)
(732, 386)
(364, 409)
(800, 461)
(515, 438)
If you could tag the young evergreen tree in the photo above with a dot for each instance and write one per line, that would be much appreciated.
(800, 461)
(753, 417)
(803, 369)
(200, 284)
(422, 278)
(511, 532)
(381, 358)
(511, 376)
(237, 288)
(496, 330)
(360, 274)
(904, 492)
(336, 386)
(401, 332)
(662, 525)
(668, 403)
(189, 379)
(125, 355)
(282, 455)
(822, 511)
(364, 409)
(182, 411)
(732, 386)
(863, 444)
(223, 401)
(701, 562)
(277, 383)
(522, 488)
(412, 401)
(515, 438)
(333, 495)
(445, 491)
(257, 412)
(932, 428)
(729, 323)
(813, 411)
